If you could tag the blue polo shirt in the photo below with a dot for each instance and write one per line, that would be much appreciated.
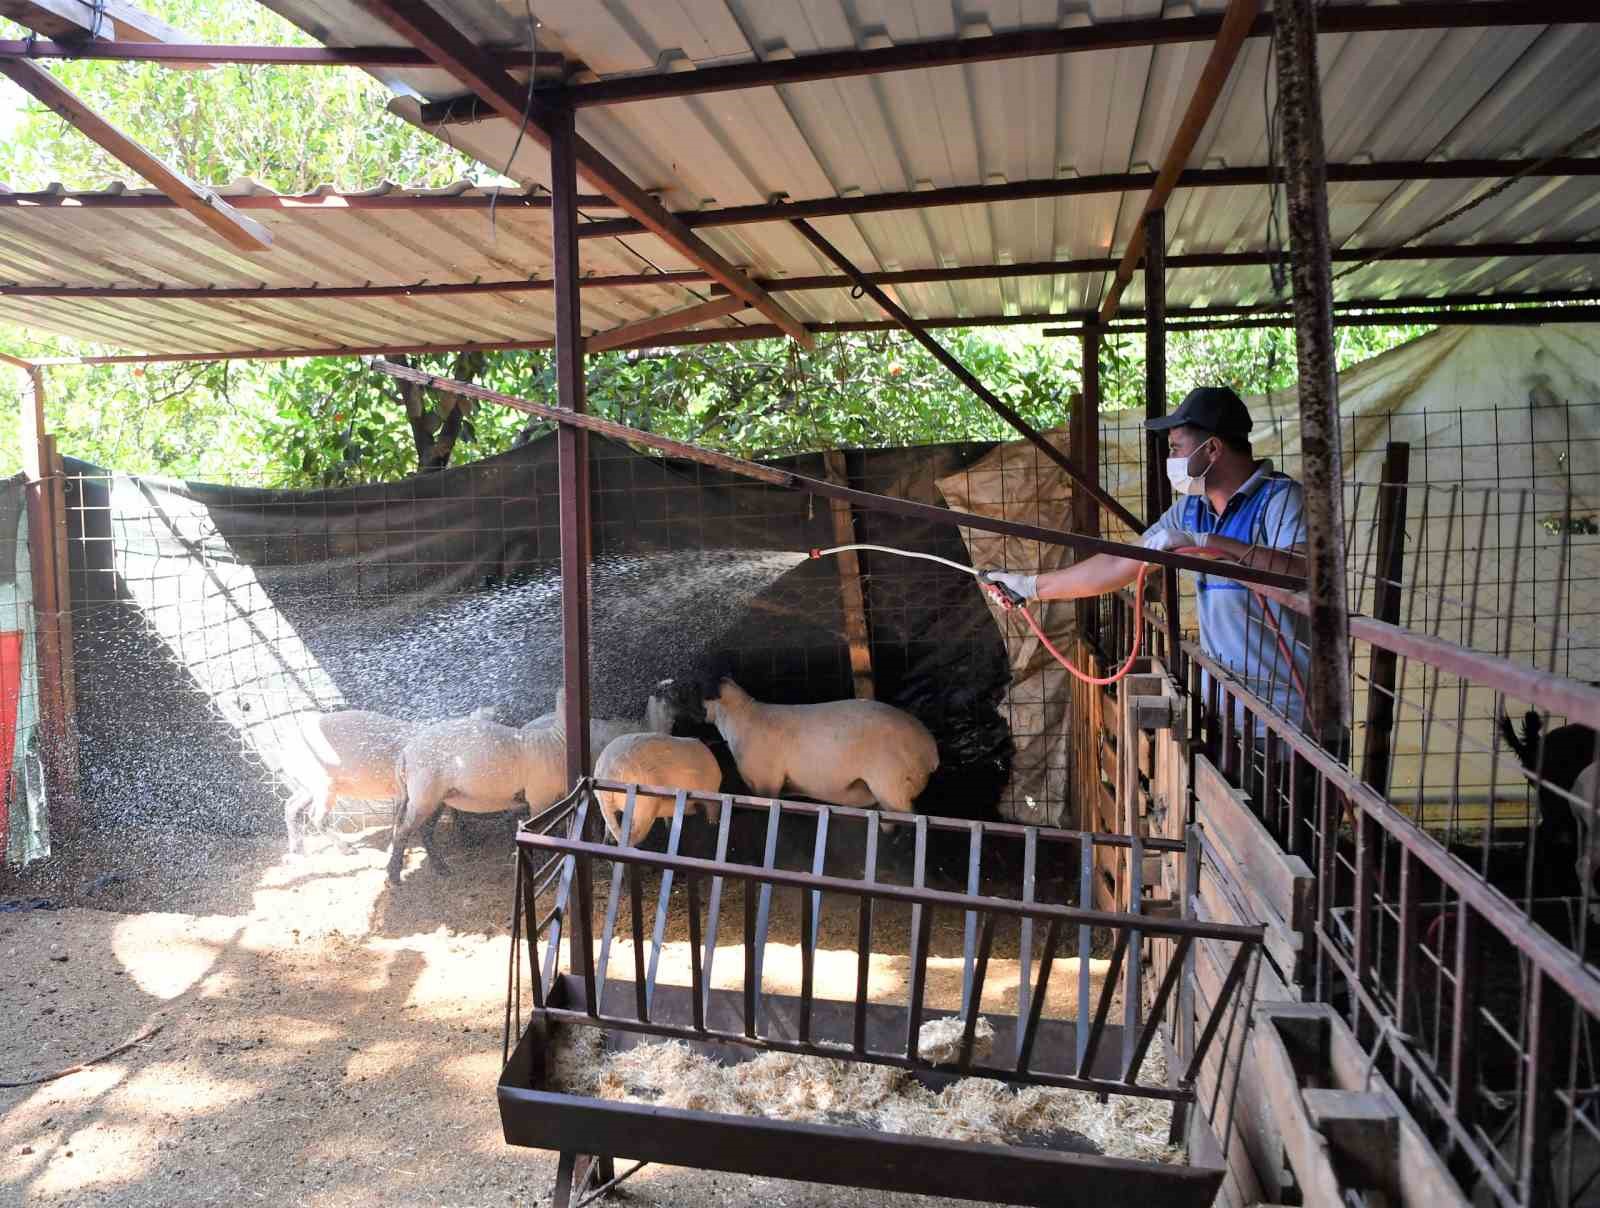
(1268, 509)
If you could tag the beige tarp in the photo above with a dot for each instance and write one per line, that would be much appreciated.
(1016, 482)
(1503, 422)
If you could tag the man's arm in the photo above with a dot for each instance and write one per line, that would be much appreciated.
(1093, 576)
(1260, 557)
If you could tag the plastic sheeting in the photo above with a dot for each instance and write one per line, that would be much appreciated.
(206, 617)
(1015, 482)
(27, 829)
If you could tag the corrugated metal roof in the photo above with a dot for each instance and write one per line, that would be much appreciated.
(1465, 93)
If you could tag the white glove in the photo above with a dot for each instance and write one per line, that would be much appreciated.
(1022, 584)
(1170, 539)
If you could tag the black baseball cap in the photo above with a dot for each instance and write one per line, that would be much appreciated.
(1210, 408)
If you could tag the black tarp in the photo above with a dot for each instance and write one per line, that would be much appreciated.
(432, 596)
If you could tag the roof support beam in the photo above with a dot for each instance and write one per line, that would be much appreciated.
(447, 46)
(1582, 309)
(676, 320)
(1397, 172)
(178, 52)
(1105, 35)
(917, 331)
(244, 233)
(73, 19)
(1236, 23)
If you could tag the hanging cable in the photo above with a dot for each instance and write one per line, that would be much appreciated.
(527, 110)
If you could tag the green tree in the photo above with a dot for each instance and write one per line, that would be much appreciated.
(291, 129)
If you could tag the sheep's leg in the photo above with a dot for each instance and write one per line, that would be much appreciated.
(435, 860)
(644, 817)
(406, 817)
(892, 794)
(298, 801)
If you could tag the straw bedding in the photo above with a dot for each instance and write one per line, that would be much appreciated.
(784, 1086)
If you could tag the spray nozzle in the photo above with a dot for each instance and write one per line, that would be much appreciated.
(815, 553)
(1004, 596)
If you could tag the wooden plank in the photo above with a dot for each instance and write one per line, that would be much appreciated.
(657, 325)
(1225, 901)
(852, 598)
(1363, 1131)
(69, 20)
(1285, 881)
(1306, 1148)
(202, 202)
(1243, 1148)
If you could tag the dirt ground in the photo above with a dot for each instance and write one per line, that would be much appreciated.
(306, 1035)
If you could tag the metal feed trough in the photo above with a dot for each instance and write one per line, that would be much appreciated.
(1087, 1052)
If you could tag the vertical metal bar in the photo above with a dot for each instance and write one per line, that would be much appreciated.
(808, 954)
(819, 856)
(1180, 956)
(697, 986)
(869, 874)
(1047, 960)
(1534, 1164)
(969, 936)
(1158, 491)
(1464, 1021)
(1085, 439)
(752, 972)
(1322, 473)
(714, 912)
(1230, 983)
(764, 913)
(680, 806)
(1364, 920)
(1085, 940)
(1030, 869)
(1133, 991)
(562, 907)
(528, 884)
(1406, 987)
(1191, 890)
(614, 899)
(572, 445)
(636, 909)
(921, 919)
(580, 945)
(1102, 1010)
(974, 1005)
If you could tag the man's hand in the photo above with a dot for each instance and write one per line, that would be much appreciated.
(1171, 539)
(1023, 586)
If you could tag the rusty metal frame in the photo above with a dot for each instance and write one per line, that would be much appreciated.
(554, 841)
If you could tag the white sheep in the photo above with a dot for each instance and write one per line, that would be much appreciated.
(475, 766)
(848, 752)
(661, 761)
(348, 753)
(659, 716)
(1582, 806)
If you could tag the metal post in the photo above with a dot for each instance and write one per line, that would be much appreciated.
(1085, 441)
(1378, 741)
(572, 447)
(1157, 490)
(1306, 190)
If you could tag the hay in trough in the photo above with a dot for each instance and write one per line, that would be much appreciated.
(787, 1086)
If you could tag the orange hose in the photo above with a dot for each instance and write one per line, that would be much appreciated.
(1138, 630)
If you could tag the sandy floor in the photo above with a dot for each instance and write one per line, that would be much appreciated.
(310, 1036)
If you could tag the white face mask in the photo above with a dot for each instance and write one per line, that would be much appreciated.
(1184, 483)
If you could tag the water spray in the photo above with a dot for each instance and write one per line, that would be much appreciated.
(1010, 601)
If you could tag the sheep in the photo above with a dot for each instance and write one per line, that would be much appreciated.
(659, 716)
(476, 766)
(347, 753)
(661, 761)
(1582, 806)
(1558, 761)
(848, 752)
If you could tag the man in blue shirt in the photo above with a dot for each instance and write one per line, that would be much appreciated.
(1227, 504)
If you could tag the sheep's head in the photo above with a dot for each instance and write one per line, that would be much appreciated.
(725, 696)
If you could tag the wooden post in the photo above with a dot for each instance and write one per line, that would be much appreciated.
(1378, 741)
(852, 597)
(1158, 491)
(1306, 192)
